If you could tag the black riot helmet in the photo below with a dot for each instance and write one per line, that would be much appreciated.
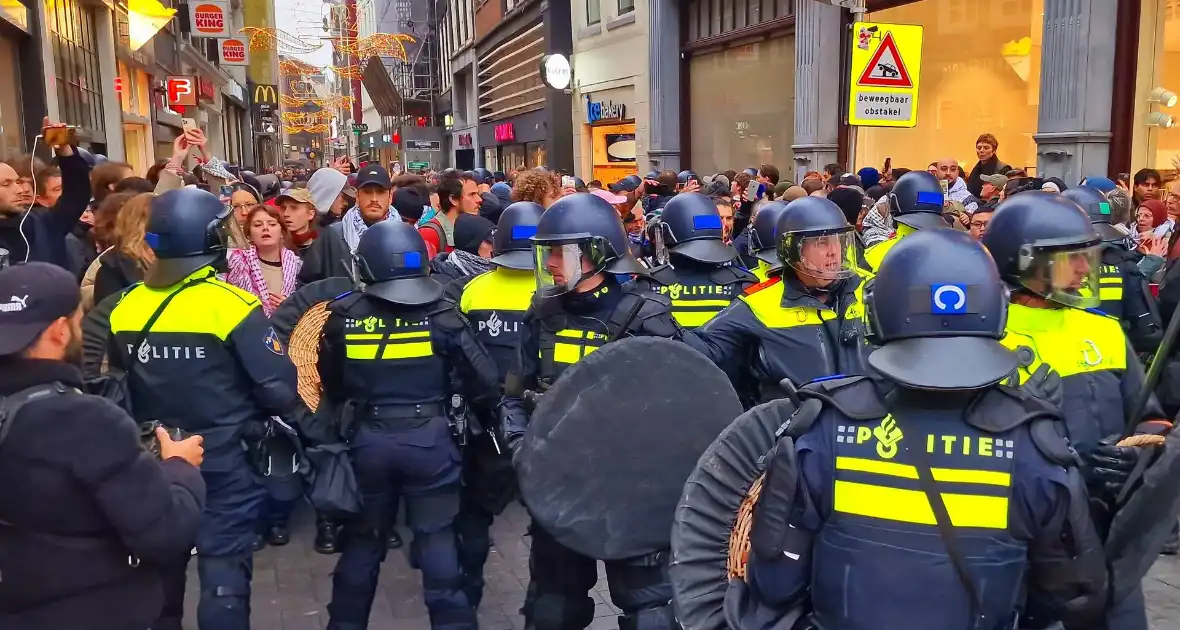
(1097, 208)
(392, 262)
(937, 311)
(815, 239)
(763, 244)
(512, 246)
(685, 176)
(916, 201)
(1044, 243)
(483, 176)
(690, 226)
(579, 236)
(188, 229)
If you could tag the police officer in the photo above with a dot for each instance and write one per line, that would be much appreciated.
(908, 489)
(495, 303)
(580, 247)
(697, 269)
(1048, 252)
(1122, 288)
(804, 323)
(761, 256)
(388, 354)
(916, 204)
(201, 357)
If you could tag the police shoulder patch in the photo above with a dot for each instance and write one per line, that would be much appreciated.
(272, 343)
(762, 285)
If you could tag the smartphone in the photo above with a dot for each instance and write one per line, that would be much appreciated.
(227, 191)
(60, 136)
(752, 190)
(188, 124)
(946, 186)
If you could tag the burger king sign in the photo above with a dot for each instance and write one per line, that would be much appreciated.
(208, 18)
(233, 52)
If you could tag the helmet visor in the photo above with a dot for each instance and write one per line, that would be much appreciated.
(221, 231)
(1067, 275)
(830, 256)
(559, 267)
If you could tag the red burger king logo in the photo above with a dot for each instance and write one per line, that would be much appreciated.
(209, 18)
(233, 51)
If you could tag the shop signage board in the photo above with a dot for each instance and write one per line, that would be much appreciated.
(360, 128)
(418, 165)
(505, 132)
(181, 91)
(209, 18)
(233, 52)
(423, 145)
(884, 74)
(604, 111)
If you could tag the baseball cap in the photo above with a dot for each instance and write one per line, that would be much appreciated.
(301, 195)
(626, 185)
(33, 296)
(373, 175)
(608, 197)
(409, 202)
(996, 180)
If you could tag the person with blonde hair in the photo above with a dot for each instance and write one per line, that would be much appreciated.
(129, 255)
(537, 186)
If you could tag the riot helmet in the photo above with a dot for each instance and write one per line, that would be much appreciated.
(685, 176)
(937, 311)
(483, 176)
(815, 239)
(187, 229)
(763, 245)
(511, 245)
(392, 262)
(916, 201)
(1094, 202)
(690, 226)
(579, 236)
(1044, 243)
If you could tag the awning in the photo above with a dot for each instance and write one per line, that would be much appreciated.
(386, 99)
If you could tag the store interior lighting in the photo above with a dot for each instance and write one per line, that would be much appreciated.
(1159, 119)
(1163, 96)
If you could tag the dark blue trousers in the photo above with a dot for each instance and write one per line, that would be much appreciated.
(421, 466)
(225, 541)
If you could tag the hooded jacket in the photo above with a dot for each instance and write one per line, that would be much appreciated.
(45, 231)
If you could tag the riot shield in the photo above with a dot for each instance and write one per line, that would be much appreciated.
(710, 532)
(611, 442)
(288, 314)
(304, 350)
(1142, 524)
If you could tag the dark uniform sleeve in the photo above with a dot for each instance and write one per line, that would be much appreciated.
(726, 337)
(514, 416)
(780, 582)
(478, 375)
(264, 360)
(1144, 327)
(331, 359)
(154, 507)
(1130, 387)
(453, 290)
(1067, 568)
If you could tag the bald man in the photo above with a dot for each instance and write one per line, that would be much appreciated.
(948, 169)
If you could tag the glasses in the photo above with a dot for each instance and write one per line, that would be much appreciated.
(241, 206)
(978, 225)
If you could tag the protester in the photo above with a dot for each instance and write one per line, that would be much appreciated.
(48, 186)
(106, 176)
(1147, 185)
(536, 186)
(85, 519)
(473, 250)
(268, 268)
(989, 164)
(129, 256)
(458, 194)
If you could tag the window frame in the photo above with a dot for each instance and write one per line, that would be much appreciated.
(597, 10)
(630, 8)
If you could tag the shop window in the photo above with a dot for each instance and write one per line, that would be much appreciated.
(79, 83)
(537, 156)
(626, 6)
(512, 157)
(738, 119)
(593, 12)
(491, 160)
(1166, 145)
(11, 141)
(974, 81)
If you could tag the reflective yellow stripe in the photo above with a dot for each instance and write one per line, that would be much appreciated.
(361, 352)
(420, 334)
(499, 290)
(570, 353)
(911, 506)
(767, 306)
(1110, 280)
(701, 303)
(364, 337)
(905, 471)
(408, 350)
(573, 334)
(1113, 294)
(1071, 340)
(212, 307)
(693, 319)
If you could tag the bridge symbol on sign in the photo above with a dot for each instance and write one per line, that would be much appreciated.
(886, 68)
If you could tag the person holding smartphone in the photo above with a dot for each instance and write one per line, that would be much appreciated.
(41, 236)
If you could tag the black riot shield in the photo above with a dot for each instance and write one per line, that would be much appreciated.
(611, 442)
(1142, 524)
(703, 530)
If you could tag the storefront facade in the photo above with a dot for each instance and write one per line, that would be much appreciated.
(22, 86)
(1155, 144)
(610, 70)
(740, 72)
(1040, 75)
(516, 142)
(135, 102)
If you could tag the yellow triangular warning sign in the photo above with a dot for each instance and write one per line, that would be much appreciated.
(886, 68)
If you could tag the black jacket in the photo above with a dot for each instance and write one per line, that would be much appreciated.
(78, 496)
(46, 230)
(116, 271)
(990, 167)
(80, 249)
(328, 256)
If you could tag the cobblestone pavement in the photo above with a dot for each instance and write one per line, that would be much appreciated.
(292, 586)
